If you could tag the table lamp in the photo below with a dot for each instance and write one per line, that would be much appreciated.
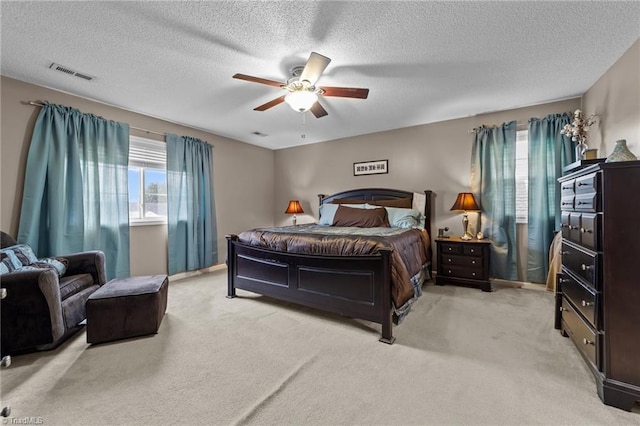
(465, 203)
(294, 208)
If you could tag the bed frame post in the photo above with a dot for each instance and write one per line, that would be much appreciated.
(387, 314)
(231, 265)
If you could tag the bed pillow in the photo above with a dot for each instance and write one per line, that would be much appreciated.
(362, 218)
(328, 211)
(404, 218)
(348, 201)
(404, 203)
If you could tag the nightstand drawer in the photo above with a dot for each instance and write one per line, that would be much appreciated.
(451, 248)
(583, 336)
(582, 297)
(462, 272)
(472, 250)
(587, 202)
(452, 259)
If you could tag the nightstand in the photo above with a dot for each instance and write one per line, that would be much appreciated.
(463, 262)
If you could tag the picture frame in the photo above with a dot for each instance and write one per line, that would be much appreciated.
(371, 167)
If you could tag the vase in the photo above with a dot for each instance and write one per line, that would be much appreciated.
(621, 152)
(581, 149)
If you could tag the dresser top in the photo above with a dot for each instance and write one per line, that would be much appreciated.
(460, 240)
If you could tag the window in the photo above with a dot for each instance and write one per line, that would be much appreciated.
(522, 176)
(147, 181)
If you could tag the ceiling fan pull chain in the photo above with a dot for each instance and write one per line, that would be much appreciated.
(302, 135)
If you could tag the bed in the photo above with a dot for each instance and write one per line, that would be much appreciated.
(363, 285)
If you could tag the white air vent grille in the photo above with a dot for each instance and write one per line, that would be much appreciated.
(67, 70)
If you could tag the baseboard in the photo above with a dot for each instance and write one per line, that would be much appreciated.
(189, 274)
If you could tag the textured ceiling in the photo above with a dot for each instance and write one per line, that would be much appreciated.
(422, 61)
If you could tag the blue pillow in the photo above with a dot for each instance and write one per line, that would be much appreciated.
(56, 264)
(328, 211)
(404, 218)
(24, 253)
(9, 261)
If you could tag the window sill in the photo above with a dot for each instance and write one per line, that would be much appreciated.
(147, 222)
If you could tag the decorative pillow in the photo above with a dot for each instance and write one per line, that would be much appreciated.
(362, 218)
(404, 218)
(10, 261)
(348, 201)
(328, 211)
(59, 264)
(404, 203)
(24, 253)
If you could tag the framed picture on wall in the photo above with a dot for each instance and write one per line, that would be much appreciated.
(371, 167)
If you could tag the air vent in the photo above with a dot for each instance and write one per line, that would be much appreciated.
(67, 70)
(259, 133)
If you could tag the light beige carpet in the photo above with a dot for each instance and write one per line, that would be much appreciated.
(461, 357)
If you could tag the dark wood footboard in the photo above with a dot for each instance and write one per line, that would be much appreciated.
(352, 286)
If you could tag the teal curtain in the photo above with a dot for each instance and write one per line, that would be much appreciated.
(493, 181)
(549, 152)
(191, 212)
(76, 186)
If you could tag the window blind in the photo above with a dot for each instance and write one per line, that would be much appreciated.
(147, 153)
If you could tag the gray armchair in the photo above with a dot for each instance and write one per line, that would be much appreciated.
(41, 309)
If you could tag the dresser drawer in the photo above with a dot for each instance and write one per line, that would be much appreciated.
(587, 183)
(583, 336)
(582, 262)
(574, 227)
(590, 230)
(589, 202)
(463, 272)
(457, 260)
(450, 248)
(567, 188)
(583, 298)
(566, 202)
(564, 224)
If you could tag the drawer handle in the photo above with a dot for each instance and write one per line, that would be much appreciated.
(567, 187)
(582, 184)
(588, 342)
(581, 203)
(564, 280)
(473, 273)
(586, 231)
(562, 309)
(566, 203)
(564, 225)
(449, 249)
(565, 253)
(449, 260)
(472, 251)
(585, 303)
(449, 270)
(586, 267)
(473, 262)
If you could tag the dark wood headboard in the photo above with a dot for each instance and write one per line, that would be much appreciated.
(372, 194)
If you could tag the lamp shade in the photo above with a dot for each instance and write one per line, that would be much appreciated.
(301, 100)
(465, 202)
(294, 207)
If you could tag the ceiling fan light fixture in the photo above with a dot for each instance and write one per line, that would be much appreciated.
(301, 100)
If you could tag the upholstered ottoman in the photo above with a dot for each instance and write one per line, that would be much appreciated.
(126, 307)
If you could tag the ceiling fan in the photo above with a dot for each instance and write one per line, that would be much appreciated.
(302, 93)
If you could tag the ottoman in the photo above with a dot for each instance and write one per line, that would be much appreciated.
(126, 307)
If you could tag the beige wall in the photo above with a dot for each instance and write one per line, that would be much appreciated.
(615, 98)
(433, 156)
(242, 200)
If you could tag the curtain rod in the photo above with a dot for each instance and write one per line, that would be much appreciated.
(39, 104)
(475, 129)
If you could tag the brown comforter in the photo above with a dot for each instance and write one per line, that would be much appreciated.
(410, 248)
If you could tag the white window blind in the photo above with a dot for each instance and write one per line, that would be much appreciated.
(147, 153)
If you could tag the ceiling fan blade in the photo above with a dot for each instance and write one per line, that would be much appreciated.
(314, 67)
(258, 80)
(318, 110)
(346, 92)
(270, 104)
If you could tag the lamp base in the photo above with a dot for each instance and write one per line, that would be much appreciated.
(294, 220)
(467, 236)
(465, 225)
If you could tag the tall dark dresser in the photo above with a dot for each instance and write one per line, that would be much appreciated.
(598, 290)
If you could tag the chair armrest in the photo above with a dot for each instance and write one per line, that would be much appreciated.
(87, 262)
(32, 311)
